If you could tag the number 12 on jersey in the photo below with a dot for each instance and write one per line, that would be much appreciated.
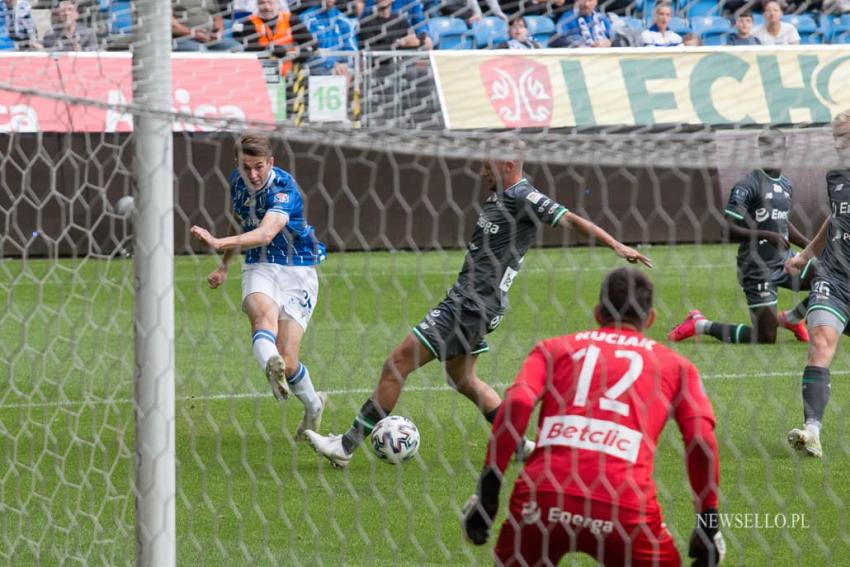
(608, 401)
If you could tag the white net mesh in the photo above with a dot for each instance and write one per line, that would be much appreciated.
(396, 208)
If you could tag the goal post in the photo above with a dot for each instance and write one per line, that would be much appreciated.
(153, 175)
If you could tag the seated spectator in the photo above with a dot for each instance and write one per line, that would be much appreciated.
(331, 30)
(743, 29)
(691, 40)
(519, 36)
(385, 30)
(196, 25)
(774, 31)
(658, 35)
(585, 27)
(68, 34)
(412, 10)
(19, 23)
(271, 30)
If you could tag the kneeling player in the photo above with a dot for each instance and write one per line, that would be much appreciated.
(605, 396)
(757, 214)
(829, 302)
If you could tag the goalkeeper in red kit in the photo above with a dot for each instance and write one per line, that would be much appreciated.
(605, 396)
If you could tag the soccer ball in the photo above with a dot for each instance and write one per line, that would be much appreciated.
(125, 206)
(395, 439)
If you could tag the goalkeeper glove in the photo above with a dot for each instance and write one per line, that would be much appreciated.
(707, 547)
(481, 508)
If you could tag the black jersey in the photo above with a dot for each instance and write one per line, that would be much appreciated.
(505, 230)
(835, 258)
(764, 203)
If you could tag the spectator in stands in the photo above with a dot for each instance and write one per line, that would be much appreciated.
(385, 30)
(518, 31)
(658, 35)
(692, 40)
(333, 31)
(68, 34)
(744, 29)
(196, 25)
(19, 23)
(774, 31)
(272, 30)
(412, 10)
(585, 27)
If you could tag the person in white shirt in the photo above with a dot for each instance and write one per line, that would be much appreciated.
(658, 35)
(774, 31)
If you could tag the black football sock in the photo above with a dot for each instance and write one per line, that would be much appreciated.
(799, 312)
(816, 389)
(730, 333)
(370, 414)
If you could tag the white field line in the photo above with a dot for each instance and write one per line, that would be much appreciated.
(342, 392)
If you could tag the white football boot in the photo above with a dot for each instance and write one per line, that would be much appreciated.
(806, 441)
(330, 447)
(523, 450)
(276, 373)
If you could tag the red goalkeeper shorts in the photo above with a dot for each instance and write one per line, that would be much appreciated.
(542, 530)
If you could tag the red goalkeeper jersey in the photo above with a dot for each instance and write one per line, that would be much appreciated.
(605, 397)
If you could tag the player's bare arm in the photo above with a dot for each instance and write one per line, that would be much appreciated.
(796, 264)
(260, 236)
(598, 234)
(218, 276)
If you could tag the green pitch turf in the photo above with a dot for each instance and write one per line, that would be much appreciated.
(248, 494)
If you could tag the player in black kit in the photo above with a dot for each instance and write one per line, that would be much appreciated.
(454, 330)
(757, 213)
(829, 300)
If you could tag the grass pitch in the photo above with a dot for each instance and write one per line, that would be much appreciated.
(248, 494)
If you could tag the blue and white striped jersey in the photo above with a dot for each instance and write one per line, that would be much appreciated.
(296, 244)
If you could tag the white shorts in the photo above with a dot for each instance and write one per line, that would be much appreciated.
(295, 289)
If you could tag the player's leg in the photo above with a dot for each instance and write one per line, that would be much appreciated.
(761, 298)
(827, 320)
(404, 359)
(794, 319)
(298, 293)
(263, 311)
(461, 373)
(289, 336)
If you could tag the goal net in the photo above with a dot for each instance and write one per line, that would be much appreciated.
(396, 206)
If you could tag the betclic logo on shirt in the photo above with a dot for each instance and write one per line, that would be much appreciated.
(591, 434)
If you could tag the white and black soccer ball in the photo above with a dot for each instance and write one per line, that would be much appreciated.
(125, 206)
(395, 439)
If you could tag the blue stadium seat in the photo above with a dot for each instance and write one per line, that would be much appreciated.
(632, 23)
(758, 19)
(710, 24)
(806, 26)
(678, 25)
(490, 32)
(540, 28)
(829, 23)
(701, 8)
(120, 17)
(449, 33)
(840, 34)
(6, 44)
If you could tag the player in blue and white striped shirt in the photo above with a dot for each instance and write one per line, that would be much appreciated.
(279, 282)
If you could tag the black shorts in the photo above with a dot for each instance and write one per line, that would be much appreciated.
(832, 295)
(762, 290)
(453, 329)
